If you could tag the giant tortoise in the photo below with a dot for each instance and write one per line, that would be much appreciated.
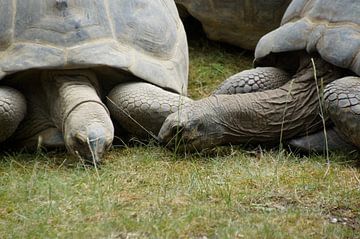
(59, 59)
(238, 22)
(317, 47)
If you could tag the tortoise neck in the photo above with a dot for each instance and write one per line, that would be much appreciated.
(66, 90)
(75, 107)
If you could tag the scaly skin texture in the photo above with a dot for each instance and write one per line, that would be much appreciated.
(254, 80)
(141, 108)
(12, 111)
(342, 102)
(269, 116)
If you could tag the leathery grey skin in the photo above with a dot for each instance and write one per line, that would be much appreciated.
(342, 101)
(60, 59)
(12, 111)
(143, 107)
(317, 37)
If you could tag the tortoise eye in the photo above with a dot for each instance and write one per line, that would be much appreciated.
(78, 138)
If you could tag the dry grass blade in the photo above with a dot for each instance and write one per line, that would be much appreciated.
(320, 98)
(94, 159)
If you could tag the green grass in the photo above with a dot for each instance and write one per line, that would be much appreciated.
(212, 63)
(148, 192)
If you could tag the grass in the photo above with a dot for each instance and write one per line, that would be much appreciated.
(148, 192)
(211, 64)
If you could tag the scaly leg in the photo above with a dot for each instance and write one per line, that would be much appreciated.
(342, 102)
(254, 80)
(141, 108)
(12, 111)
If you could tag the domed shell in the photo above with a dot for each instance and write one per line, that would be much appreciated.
(328, 27)
(238, 22)
(143, 37)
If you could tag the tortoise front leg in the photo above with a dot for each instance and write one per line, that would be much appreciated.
(342, 102)
(254, 80)
(12, 111)
(141, 108)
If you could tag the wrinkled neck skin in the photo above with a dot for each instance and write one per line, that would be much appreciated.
(76, 109)
(277, 114)
(261, 117)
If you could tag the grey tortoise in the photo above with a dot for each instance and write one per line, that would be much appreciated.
(311, 60)
(239, 22)
(60, 60)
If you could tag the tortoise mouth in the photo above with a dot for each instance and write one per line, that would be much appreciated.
(190, 135)
(89, 151)
(89, 142)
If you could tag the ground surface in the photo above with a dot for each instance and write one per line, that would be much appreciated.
(149, 192)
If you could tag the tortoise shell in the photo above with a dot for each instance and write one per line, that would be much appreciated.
(330, 28)
(145, 38)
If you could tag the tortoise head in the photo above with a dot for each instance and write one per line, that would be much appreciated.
(88, 134)
(193, 128)
(77, 110)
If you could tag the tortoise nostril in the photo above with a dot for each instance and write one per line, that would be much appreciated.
(200, 127)
(79, 139)
(61, 4)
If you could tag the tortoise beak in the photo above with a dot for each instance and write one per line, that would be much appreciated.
(98, 143)
(98, 146)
